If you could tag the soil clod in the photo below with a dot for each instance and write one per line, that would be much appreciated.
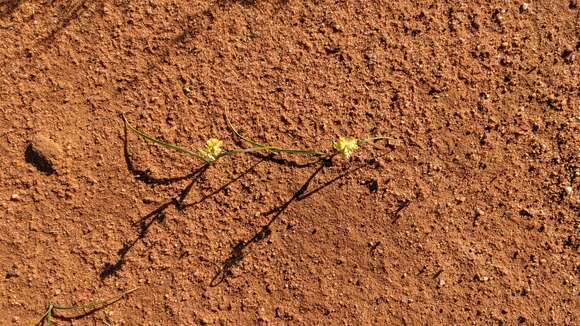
(43, 153)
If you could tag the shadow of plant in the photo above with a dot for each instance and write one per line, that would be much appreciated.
(158, 214)
(344, 147)
(143, 225)
(242, 249)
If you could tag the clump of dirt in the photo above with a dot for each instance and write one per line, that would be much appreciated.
(44, 154)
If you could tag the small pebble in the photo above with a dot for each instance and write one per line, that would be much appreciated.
(14, 197)
(44, 154)
(525, 6)
(12, 273)
(568, 190)
(441, 283)
(336, 27)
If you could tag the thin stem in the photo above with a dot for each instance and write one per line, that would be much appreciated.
(49, 316)
(370, 139)
(164, 144)
(46, 316)
(93, 305)
(239, 135)
(269, 148)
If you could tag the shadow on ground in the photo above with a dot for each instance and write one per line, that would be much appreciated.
(242, 249)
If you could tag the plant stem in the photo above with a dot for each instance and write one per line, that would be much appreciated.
(269, 148)
(93, 305)
(164, 144)
(46, 316)
(370, 139)
(258, 147)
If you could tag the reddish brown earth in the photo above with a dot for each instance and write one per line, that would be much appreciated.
(468, 214)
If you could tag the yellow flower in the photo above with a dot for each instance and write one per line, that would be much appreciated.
(212, 149)
(346, 146)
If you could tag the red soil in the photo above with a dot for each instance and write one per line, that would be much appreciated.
(468, 214)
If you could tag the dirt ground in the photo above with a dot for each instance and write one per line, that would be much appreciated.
(467, 214)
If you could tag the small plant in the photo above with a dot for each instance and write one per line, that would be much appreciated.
(344, 146)
(213, 151)
(81, 310)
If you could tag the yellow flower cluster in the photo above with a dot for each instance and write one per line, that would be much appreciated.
(212, 149)
(346, 146)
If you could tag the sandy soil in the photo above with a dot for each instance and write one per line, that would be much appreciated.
(467, 214)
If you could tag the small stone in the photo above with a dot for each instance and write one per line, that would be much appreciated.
(153, 258)
(441, 283)
(44, 154)
(336, 27)
(526, 291)
(568, 55)
(12, 273)
(479, 212)
(525, 6)
(568, 190)
(14, 197)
